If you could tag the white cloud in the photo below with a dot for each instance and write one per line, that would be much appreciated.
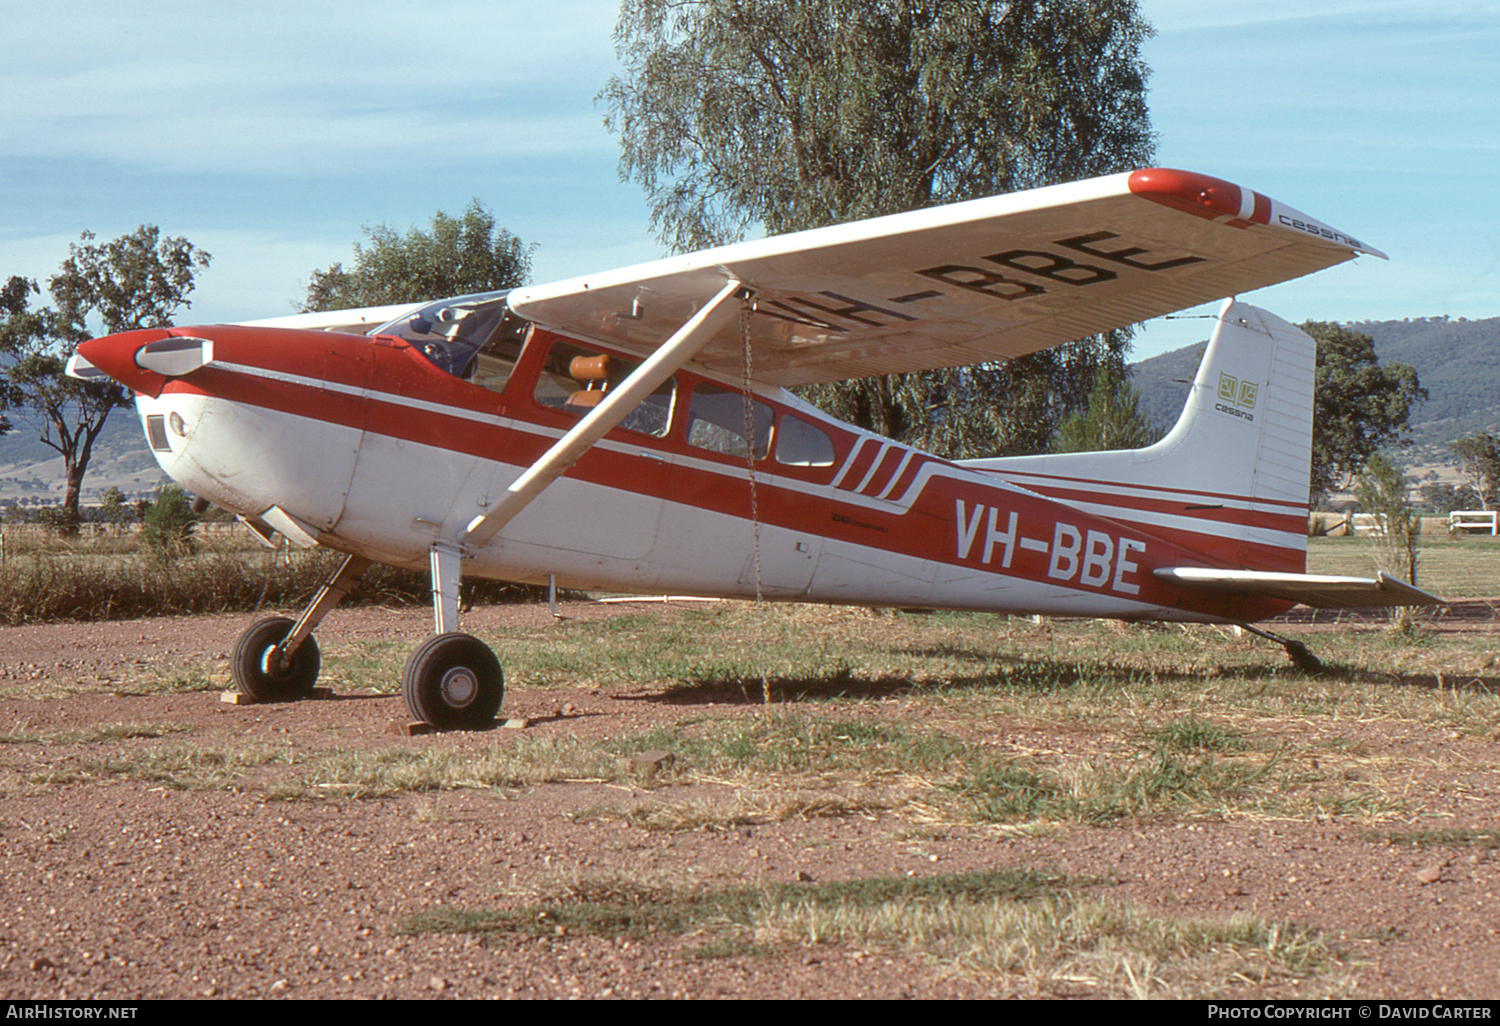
(269, 132)
(266, 88)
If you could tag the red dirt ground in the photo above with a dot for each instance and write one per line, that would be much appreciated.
(123, 889)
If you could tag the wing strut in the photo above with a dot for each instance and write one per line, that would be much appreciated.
(661, 365)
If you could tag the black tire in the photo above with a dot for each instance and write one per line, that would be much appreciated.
(453, 681)
(250, 670)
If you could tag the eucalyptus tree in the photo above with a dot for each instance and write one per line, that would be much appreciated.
(747, 116)
(1359, 405)
(458, 255)
(1479, 459)
(1113, 419)
(139, 280)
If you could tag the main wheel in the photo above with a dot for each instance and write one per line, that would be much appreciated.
(253, 674)
(453, 681)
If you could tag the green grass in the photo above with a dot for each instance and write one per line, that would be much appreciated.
(925, 724)
(176, 767)
(1155, 786)
(1184, 722)
(1453, 567)
(786, 743)
(625, 907)
(374, 774)
(1190, 734)
(1039, 934)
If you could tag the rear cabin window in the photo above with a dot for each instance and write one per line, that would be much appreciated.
(716, 422)
(800, 444)
(574, 380)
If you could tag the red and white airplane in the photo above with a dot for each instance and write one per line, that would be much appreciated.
(632, 430)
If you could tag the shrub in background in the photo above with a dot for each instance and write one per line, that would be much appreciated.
(167, 530)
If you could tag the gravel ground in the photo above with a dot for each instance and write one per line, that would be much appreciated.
(123, 888)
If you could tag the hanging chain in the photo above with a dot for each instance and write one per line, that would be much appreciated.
(745, 311)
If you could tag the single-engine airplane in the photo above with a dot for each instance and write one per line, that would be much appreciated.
(633, 430)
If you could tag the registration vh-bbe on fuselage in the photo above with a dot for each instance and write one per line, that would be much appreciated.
(634, 430)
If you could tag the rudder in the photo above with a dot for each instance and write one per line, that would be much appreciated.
(1231, 477)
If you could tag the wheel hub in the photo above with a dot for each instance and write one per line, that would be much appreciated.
(459, 686)
(271, 664)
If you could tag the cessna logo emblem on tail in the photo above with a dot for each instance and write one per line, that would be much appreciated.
(1235, 393)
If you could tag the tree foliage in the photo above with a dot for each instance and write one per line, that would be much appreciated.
(457, 256)
(1359, 406)
(1112, 420)
(1443, 498)
(1479, 459)
(745, 115)
(167, 525)
(139, 280)
(1382, 490)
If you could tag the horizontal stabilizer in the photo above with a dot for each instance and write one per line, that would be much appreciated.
(1314, 590)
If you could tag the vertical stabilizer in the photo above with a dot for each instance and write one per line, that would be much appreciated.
(1230, 480)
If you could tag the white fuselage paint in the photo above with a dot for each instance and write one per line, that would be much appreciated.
(392, 498)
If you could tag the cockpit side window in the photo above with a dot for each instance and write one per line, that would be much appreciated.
(496, 359)
(574, 380)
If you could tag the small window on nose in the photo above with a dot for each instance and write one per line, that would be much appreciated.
(156, 432)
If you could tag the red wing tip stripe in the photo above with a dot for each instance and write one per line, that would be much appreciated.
(1262, 213)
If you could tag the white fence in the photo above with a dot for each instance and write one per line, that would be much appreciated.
(1368, 524)
(1464, 520)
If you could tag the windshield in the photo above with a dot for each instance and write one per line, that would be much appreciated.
(450, 331)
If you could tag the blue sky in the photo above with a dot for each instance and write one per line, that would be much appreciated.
(270, 133)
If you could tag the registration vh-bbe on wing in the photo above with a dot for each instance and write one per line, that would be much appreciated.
(633, 430)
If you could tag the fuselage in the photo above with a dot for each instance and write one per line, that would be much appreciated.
(375, 446)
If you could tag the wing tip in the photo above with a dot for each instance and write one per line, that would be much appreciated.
(1217, 200)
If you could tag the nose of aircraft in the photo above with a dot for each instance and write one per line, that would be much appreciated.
(126, 358)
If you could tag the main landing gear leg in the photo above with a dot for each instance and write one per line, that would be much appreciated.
(276, 659)
(1300, 656)
(452, 681)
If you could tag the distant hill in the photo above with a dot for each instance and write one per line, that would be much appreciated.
(121, 458)
(1457, 361)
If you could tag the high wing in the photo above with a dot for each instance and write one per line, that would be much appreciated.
(967, 283)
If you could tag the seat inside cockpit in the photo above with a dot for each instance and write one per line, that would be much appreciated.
(574, 379)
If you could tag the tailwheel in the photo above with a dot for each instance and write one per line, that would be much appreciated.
(254, 668)
(453, 681)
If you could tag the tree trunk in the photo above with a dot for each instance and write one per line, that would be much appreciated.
(67, 525)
